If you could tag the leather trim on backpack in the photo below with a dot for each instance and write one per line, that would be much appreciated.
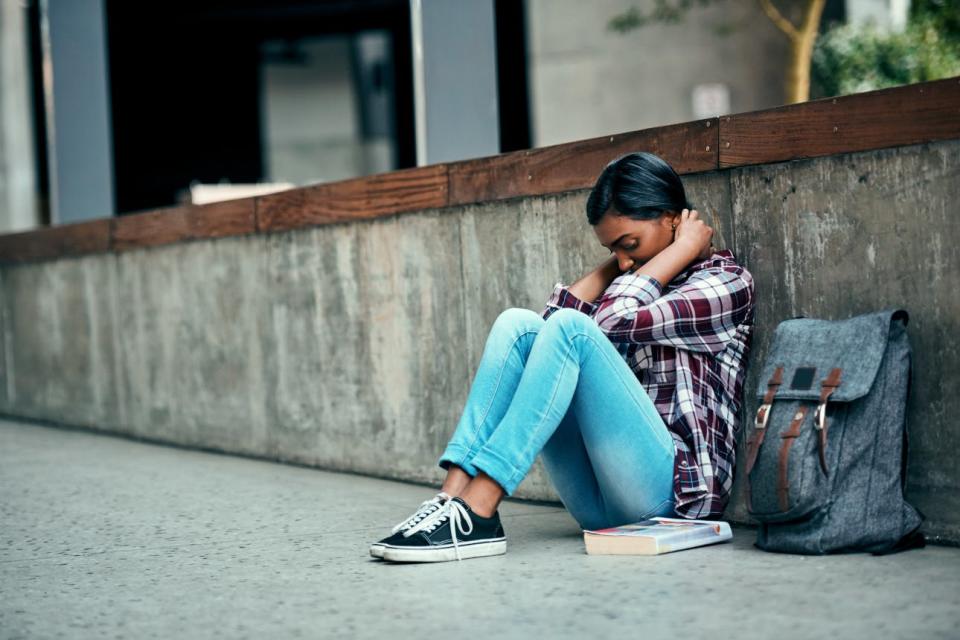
(828, 386)
(789, 436)
(760, 424)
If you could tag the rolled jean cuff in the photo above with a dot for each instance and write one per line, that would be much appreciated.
(499, 469)
(459, 456)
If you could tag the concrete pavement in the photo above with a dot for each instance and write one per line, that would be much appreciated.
(105, 537)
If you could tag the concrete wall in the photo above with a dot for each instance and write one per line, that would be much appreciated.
(352, 346)
(586, 81)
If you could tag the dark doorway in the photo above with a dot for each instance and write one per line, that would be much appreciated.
(185, 86)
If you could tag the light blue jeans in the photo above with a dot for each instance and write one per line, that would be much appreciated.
(560, 387)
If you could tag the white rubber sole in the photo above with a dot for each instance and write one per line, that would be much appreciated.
(476, 549)
(376, 550)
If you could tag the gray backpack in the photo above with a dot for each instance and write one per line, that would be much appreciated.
(830, 473)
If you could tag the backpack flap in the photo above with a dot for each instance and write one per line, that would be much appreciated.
(808, 349)
(820, 361)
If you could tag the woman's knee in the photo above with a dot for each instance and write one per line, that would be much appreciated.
(569, 314)
(518, 317)
(568, 317)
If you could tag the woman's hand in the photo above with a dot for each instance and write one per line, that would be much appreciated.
(692, 232)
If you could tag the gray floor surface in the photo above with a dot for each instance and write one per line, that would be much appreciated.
(104, 537)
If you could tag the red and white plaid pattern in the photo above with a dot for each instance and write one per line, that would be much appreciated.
(688, 346)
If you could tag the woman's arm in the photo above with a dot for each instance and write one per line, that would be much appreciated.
(702, 314)
(590, 290)
(665, 266)
(590, 286)
(692, 241)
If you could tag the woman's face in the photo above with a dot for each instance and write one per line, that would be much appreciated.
(635, 241)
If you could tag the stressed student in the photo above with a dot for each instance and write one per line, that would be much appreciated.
(628, 383)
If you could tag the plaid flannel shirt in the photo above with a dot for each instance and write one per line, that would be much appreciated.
(688, 346)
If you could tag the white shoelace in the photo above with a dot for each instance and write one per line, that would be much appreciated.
(426, 508)
(457, 514)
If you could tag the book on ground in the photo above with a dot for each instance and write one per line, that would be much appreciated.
(655, 536)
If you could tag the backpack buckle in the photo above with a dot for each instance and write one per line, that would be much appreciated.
(763, 416)
(820, 417)
(763, 413)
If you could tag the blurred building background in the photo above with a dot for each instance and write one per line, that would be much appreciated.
(111, 107)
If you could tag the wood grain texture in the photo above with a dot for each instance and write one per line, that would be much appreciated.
(892, 117)
(688, 147)
(226, 218)
(59, 241)
(186, 222)
(898, 116)
(358, 198)
(157, 226)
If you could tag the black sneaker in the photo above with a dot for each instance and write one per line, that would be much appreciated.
(453, 532)
(426, 508)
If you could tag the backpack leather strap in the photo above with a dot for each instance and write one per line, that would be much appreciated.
(789, 436)
(828, 386)
(760, 424)
(763, 416)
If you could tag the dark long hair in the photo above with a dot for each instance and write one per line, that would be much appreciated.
(639, 185)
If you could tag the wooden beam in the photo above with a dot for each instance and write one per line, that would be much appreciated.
(688, 147)
(187, 222)
(48, 243)
(892, 117)
(354, 199)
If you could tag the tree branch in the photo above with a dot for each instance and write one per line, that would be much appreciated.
(782, 23)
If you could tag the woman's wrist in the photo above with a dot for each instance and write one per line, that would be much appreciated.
(666, 265)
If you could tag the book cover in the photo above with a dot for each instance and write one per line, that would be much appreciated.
(655, 536)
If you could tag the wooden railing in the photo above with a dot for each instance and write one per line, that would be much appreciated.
(893, 117)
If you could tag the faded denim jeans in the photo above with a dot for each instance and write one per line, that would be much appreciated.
(560, 387)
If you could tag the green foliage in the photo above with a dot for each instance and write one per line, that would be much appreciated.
(851, 59)
(847, 58)
(944, 14)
